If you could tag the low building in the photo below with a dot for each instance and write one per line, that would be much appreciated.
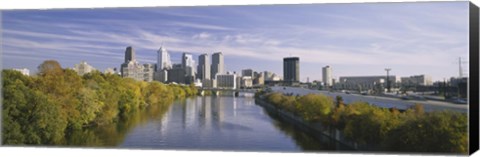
(109, 71)
(133, 69)
(83, 68)
(246, 82)
(417, 80)
(226, 81)
(364, 83)
(24, 71)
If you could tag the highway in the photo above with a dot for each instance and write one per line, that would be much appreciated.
(429, 105)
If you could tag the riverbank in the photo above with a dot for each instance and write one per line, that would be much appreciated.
(366, 127)
(320, 132)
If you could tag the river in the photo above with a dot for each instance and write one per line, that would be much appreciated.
(209, 123)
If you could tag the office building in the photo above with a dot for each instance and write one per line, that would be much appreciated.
(227, 81)
(132, 69)
(364, 83)
(188, 64)
(83, 68)
(246, 82)
(129, 55)
(327, 76)
(218, 65)
(163, 59)
(148, 71)
(248, 72)
(176, 74)
(24, 71)
(203, 69)
(259, 79)
(291, 69)
(417, 80)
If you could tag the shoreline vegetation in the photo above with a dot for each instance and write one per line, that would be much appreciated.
(45, 109)
(379, 129)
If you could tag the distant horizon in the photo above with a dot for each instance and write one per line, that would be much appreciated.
(353, 39)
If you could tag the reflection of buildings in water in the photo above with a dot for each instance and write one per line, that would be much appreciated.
(217, 109)
(205, 111)
(234, 106)
(248, 101)
(188, 113)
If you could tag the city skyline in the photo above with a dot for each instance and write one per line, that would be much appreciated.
(323, 34)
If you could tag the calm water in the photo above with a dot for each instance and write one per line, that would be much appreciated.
(208, 123)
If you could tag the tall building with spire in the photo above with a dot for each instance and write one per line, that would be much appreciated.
(218, 64)
(163, 59)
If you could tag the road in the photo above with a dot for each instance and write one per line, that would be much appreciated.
(429, 105)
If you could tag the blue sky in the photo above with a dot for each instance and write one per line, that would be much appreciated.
(354, 39)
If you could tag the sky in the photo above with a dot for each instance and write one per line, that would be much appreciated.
(353, 39)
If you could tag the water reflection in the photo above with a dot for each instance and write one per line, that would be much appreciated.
(203, 123)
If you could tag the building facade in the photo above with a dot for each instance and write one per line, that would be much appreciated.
(163, 59)
(203, 69)
(188, 64)
(327, 76)
(248, 72)
(246, 82)
(218, 64)
(176, 74)
(364, 83)
(83, 68)
(148, 71)
(227, 81)
(291, 69)
(417, 80)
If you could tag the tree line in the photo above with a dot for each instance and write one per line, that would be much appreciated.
(411, 130)
(43, 109)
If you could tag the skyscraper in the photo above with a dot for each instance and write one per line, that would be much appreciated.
(217, 64)
(291, 69)
(129, 54)
(203, 69)
(327, 75)
(163, 59)
(188, 64)
(131, 68)
(247, 72)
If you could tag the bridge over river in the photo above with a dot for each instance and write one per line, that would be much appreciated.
(218, 91)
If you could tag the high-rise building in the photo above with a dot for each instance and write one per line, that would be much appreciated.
(327, 76)
(176, 74)
(129, 54)
(291, 69)
(188, 64)
(163, 59)
(83, 68)
(131, 68)
(247, 72)
(148, 71)
(24, 71)
(203, 69)
(218, 65)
